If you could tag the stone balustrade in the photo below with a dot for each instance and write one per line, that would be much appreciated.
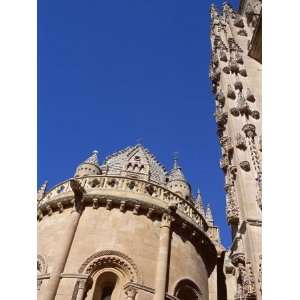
(111, 191)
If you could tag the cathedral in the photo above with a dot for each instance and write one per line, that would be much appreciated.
(126, 228)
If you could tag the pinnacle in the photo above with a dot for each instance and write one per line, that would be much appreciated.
(42, 190)
(199, 203)
(176, 172)
(93, 159)
(209, 217)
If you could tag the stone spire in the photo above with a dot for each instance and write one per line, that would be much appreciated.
(213, 11)
(89, 167)
(199, 203)
(208, 216)
(42, 190)
(93, 159)
(176, 172)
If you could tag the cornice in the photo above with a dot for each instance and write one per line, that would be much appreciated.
(135, 195)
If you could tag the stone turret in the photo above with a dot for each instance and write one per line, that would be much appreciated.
(177, 182)
(89, 167)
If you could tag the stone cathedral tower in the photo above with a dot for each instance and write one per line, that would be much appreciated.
(126, 229)
(235, 72)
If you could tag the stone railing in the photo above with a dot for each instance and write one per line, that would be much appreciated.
(118, 188)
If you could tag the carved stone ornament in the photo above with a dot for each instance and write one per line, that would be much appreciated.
(249, 130)
(112, 182)
(94, 183)
(249, 282)
(130, 293)
(238, 85)
(95, 203)
(111, 259)
(49, 210)
(122, 206)
(224, 163)
(239, 58)
(150, 212)
(234, 68)
(220, 97)
(242, 32)
(223, 56)
(226, 70)
(232, 209)
(238, 258)
(109, 204)
(249, 96)
(221, 118)
(243, 72)
(166, 220)
(242, 105)
(233, 171)
(234, 111)
(226, 144)
(240, 142)
(230, 92)
(60, 207)
(214, 74)
(245, 166)
(255, 114)
(131, 184)
(150, 189)
(215, 59)
(136, 209)
(239, 22)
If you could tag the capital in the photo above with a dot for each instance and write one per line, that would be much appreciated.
(130, 292)
(166, 220)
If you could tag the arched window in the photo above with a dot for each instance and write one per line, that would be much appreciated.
(187, 290)
(106, 286)
(108, 271)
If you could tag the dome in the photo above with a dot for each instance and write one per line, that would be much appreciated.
(136, 162)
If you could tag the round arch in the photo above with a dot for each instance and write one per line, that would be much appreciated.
(186, 289)
(113, 260)
(108, 270)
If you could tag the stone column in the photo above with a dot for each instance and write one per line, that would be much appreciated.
(81, 289)
(65, 246)
(212, 285)
(163, 256)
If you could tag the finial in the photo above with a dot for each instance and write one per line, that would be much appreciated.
(139, 141)
(95, 152)
(175, 160)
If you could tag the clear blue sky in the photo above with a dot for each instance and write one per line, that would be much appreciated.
(111, 72)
